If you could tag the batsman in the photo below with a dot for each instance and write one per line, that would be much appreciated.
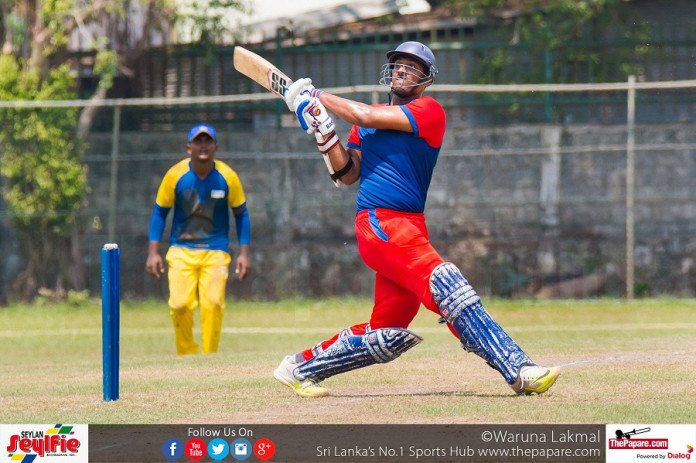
(392, 150)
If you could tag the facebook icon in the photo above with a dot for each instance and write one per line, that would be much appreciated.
(173, 449)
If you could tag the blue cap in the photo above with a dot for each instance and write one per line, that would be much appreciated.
(202, 128)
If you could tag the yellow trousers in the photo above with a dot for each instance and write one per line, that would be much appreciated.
(196, 278)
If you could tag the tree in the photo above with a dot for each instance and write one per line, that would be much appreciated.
(549, 26)
(555, 41)
(45, 181)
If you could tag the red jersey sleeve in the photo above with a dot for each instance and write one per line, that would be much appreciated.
(354, 138)
(427, 119)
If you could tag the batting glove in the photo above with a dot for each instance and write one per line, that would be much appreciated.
(313, 116)
(326, 143)
(299, 87)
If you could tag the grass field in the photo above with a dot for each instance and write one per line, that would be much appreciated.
(623, 363)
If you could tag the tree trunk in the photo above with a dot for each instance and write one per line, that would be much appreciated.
(46, 259)
(77, 274)
(37, 59)
(88, 114)
(5, 34)
(26, 285)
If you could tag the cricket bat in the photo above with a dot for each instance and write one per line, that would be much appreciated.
(261, 71)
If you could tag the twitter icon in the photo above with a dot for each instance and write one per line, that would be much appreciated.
(218, 449)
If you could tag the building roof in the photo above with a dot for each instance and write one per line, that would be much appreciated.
(301, 16)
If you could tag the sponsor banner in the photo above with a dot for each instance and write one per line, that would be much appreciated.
(44, 443)
(612, 443)
(628, 443)
(348, 443)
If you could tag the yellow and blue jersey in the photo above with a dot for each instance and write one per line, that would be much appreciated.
(201, 207)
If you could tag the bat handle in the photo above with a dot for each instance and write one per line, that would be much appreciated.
(327, 161)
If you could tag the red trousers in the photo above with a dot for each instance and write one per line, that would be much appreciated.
(396, 246)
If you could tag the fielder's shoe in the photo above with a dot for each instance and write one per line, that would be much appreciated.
(535, 379)
(302, 387)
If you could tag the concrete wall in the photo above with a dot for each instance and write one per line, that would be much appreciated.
(522, 210)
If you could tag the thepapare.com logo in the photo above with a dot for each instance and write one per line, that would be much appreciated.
(640, 443)
(27, 443)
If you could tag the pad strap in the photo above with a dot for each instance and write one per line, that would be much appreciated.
(350, 352)
(461, 307)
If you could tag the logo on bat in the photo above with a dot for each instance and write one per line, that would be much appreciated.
(278, 81)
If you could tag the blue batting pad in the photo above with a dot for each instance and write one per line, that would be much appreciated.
(461, 307)
(350, 352)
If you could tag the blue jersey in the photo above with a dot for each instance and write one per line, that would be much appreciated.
(201, 206)
(396, 167)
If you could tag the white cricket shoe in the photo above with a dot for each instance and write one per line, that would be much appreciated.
(302, 387)
(534, 379)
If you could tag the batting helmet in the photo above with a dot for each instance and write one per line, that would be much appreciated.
(417, 51)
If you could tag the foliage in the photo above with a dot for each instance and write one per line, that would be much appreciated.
(204, 22)
(557, 41)
(72, 299)
(205, 19)
(41, 155)
(45, 180)
(568, 16)
(572, 33)
(106, 67)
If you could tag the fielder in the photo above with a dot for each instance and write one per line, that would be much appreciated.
(392, 150)
(201, 190)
